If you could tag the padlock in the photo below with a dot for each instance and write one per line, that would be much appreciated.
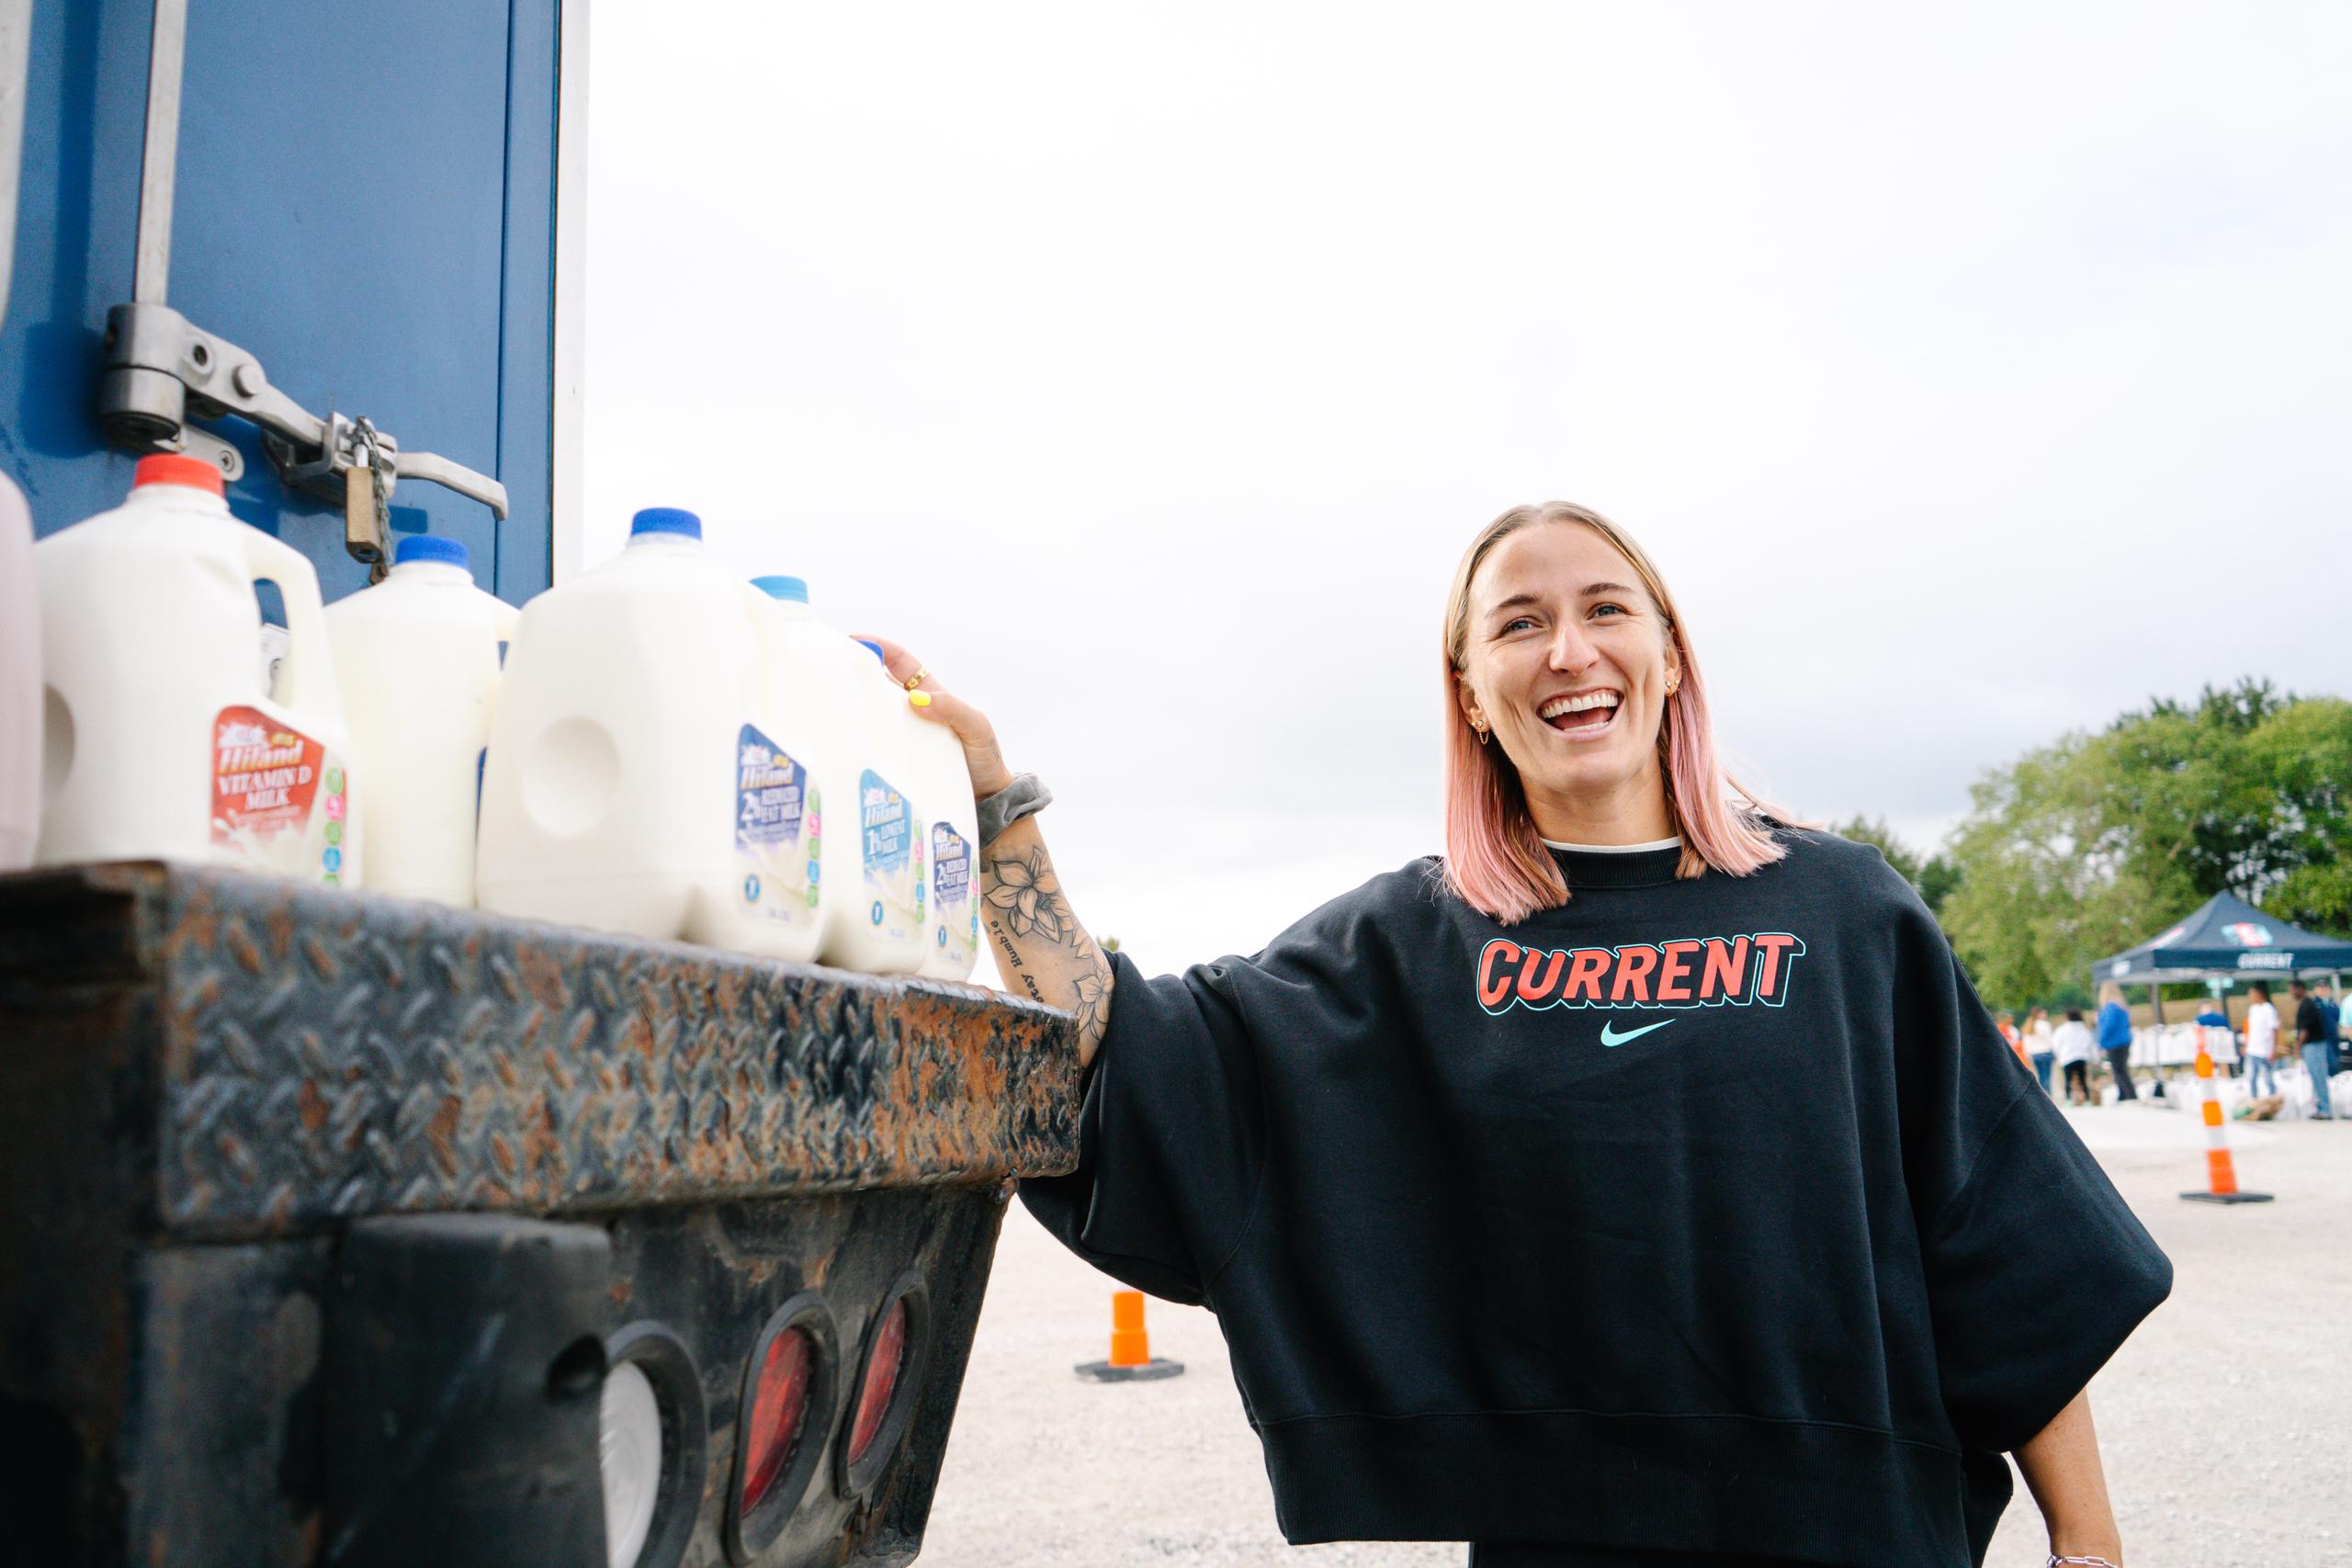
(367, 510)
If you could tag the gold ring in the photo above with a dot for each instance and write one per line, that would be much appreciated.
(917, 678)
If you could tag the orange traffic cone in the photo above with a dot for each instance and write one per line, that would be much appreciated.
(2221, 1175)
(1131, 1357)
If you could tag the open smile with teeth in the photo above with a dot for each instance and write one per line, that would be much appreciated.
(1585, 713)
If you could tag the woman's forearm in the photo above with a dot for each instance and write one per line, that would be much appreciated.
(1040, 947)
(2061, 1468)
(1037, 940)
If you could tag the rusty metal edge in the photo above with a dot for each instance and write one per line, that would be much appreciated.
(808, 1080)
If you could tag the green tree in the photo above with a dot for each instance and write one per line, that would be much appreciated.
(1938, 878)
(2084, 847)
(2306, 753)
(2195, 787)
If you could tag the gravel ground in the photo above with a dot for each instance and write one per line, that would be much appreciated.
(2228, 1444)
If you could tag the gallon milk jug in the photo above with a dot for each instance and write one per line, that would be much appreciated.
(924, 762)
(19, 683)
(796, 869)
(890, 923)
(159, 736)
(942, 783)
(417, 658)
(612, 795)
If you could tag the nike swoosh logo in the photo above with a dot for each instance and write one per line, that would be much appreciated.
(1609, 1036)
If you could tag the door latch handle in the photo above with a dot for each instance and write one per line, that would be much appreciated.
(434, 469)
(161, 370)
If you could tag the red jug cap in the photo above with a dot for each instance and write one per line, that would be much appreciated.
(171, 469)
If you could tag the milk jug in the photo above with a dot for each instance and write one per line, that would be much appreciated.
(828, 694)
(417, 657)
(796, 869)
(623, 750)
(19, 683)
(159, 735)
(920, 763)
(942, 783)
(888, 932)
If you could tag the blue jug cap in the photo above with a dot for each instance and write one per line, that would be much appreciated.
(665, 520)
(430, 547)
(789, 588)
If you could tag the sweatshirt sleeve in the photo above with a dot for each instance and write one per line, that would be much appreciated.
(2036, 1268)
(1170, 1136)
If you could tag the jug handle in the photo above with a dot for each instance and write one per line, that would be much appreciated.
(308, 672)
(763, 613)
(506, 620)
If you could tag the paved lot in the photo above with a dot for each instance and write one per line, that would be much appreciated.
(2226, 1421)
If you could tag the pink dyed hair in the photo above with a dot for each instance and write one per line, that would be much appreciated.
(1495, 859)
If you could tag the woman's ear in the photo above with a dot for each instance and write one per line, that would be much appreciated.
(1673, 664)
(1468, 699)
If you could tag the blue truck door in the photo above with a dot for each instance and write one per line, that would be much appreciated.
(364, 201)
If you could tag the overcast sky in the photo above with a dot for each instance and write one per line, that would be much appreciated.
(1972, 373)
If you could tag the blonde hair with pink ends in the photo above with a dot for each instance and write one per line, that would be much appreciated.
(1495, 859)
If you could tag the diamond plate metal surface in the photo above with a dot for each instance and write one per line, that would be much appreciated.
(323, 1054)
(205, 1077)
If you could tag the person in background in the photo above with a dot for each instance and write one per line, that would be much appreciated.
(2261, 1041)
(2076, 1052)
(2333, 1005)
(2040, 1045)
(2006, 1022)
(2115, 1038)
(2311, 1034)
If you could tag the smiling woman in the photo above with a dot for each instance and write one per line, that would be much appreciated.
(1700, 1219)
(1563, 644)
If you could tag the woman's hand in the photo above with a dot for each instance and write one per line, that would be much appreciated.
(939, 706)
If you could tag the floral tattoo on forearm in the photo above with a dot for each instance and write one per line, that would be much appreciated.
(1094, 996)
(1026, 901)
(1031, 897)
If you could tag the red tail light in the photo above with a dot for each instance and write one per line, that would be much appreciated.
(880, 1381)
(779, 1405)
(790, 1381)
(889, 1380)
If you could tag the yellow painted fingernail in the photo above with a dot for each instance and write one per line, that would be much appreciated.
(921, 699)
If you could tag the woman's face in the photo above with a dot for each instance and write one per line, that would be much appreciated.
(1569, 662)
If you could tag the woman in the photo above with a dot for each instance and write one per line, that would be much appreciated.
(1639, 1184)
(2040, 1045)
(2077, 1049)
(2115, 1039)
(2006, 1022)
(2261, 1041)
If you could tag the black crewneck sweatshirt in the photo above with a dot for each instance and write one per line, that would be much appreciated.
(1703, 1215)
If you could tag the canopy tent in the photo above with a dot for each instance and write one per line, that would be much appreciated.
(2229, 938)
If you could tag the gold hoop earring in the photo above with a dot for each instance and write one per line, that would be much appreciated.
(1485, 734)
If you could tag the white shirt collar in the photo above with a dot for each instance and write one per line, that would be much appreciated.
(1670, 842)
